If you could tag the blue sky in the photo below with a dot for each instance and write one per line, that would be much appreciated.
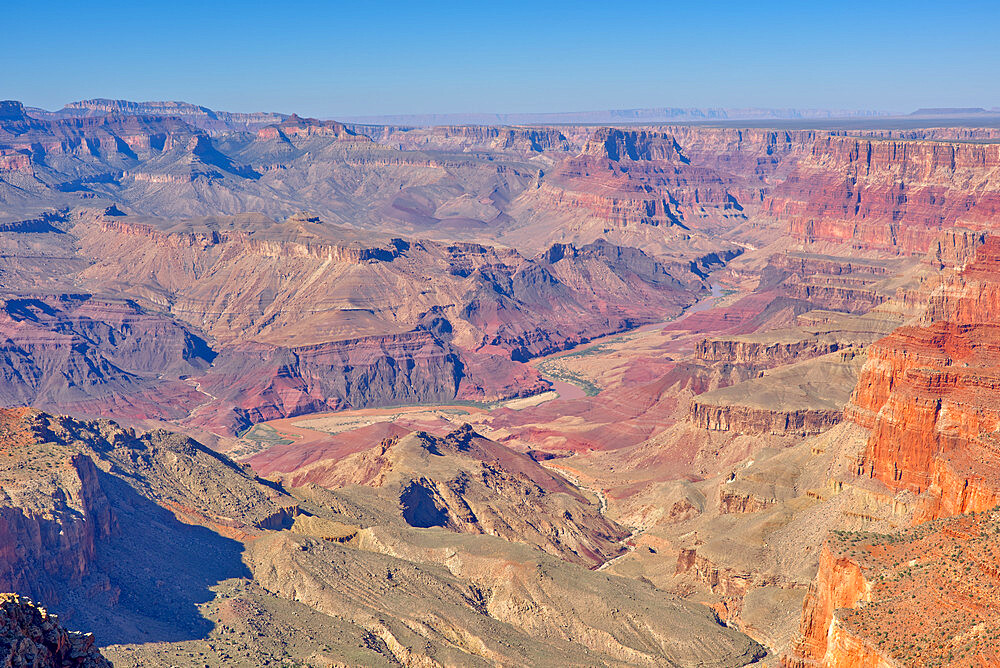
(331, 58)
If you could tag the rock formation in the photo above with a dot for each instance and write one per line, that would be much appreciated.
(460, 482)
(888, 194)
(30, 636)
(926, 393)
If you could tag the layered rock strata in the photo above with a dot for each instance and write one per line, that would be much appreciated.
(927, 392)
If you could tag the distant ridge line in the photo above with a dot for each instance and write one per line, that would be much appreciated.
(611, 116)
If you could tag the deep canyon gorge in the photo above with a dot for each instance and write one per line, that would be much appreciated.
(288, 391)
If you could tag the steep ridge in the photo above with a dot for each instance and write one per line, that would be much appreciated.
(461, 482)
(254, 382)
(97, 356)
(305, 275)
(927, 394)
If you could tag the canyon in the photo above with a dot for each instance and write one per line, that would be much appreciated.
(566, 394)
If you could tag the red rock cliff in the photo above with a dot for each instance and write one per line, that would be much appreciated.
(838, 584)
(928, 392)
(924, 596)
(888, 194)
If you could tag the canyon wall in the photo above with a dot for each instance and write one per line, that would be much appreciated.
(752, 420)
(927, 392)
(838, 584)
(52, 512)
(890, 195)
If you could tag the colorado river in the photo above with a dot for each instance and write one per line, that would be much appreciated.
(566, 388)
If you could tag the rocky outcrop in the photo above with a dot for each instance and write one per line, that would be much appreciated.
(801, 398)
(55, 510)
(621, 211)
(468, 484)
(726, 582)
(52, 510)
(839, 584)
(30, 636)
(618, 144)
(737, 501)
(805, 264)
(752, 420)
(15, 161)
(954, 248)
(762, 353)
(303, 128)
(82, 501)
(834, 297)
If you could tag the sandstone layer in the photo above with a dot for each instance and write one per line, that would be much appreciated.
(927, 394)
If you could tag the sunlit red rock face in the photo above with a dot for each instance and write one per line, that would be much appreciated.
(888, 194)
(839, 584)
(928, 392)
(924, 596)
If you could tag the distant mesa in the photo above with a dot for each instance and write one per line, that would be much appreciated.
(11, 110)
(948, 111)
(200, 117)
